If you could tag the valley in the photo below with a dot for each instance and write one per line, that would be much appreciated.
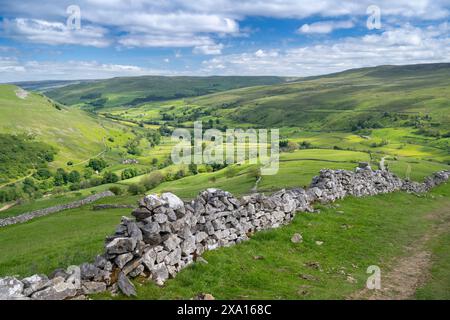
(115, 134)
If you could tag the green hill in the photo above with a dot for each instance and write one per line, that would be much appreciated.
(75, 134)
(360, 98)
(131, 91)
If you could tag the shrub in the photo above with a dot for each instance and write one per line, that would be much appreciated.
(97, 164)
(136, 189)
(74, 177)
(116, 190)
(110, 177)
(129, 173)
(152, 180)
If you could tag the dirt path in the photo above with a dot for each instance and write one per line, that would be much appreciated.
(411, 270)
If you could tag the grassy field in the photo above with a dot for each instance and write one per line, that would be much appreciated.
(370, 232)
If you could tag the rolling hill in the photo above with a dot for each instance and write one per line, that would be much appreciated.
(131, 91)
(75, 134)
(369, 97)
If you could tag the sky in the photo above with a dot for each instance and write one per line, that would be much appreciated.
(92, 39)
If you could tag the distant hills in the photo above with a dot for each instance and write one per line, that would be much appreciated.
(132, 91)
(364, 98)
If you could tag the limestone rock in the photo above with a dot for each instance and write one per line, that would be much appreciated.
(125, 285)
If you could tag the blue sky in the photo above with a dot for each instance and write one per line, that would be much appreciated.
(216, 37)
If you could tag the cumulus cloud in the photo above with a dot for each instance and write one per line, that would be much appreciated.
(209, 49)
(324, 27)
(405, 45)
(55, 33)
(153, 20)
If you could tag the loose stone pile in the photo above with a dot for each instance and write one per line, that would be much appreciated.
(167, 234)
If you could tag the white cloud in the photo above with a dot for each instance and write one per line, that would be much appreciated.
(55, 33)
(405, 45)
(164, 41)
(12, 70)
(324, 27)
(211, 49)
(161, 20)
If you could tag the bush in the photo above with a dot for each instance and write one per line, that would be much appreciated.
(152, 180)
(129, 173)
(135, 189)
(97, 164)
(42, 174)
(74, 177)
(61, 177)
(95, 181)
(116, 190)
(110, 177)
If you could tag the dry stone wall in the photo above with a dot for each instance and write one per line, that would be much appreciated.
(43, 212)
(167, 234)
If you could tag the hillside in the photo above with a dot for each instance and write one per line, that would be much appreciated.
(360, 98)
(75, 134)
(131, 91)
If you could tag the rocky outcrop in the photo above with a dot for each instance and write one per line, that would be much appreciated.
(43, 212)
(167, 234)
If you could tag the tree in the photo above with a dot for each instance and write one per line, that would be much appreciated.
(97, 164)
(74, 177)
(129, 173)
(110, 177)
(61, 177)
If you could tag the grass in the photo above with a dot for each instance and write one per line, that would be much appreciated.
(371, 231)
(437, 287)
(57, 240)
(136, 90)
(77, 135)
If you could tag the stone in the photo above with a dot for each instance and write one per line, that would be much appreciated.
(59, 290)
(91, 287)
(35, 283)
(152, 201)
(125, 285)
(131, 266)
(121, 245)
(297, 238)
(160, 218)
(123, 259)
(100, 261)
(173, 257)
(149, 259)
(201, 236)
(141, 213)
(134, 231)
(88, 271)
(172, 200)
(11, 288)
(160, 273)
(204, 296)
(188, 245)
(59, 273)
(172, 242)
(137, 271)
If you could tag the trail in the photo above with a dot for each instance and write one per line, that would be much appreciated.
(8, 206)
(17, 180)
(409, 272)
